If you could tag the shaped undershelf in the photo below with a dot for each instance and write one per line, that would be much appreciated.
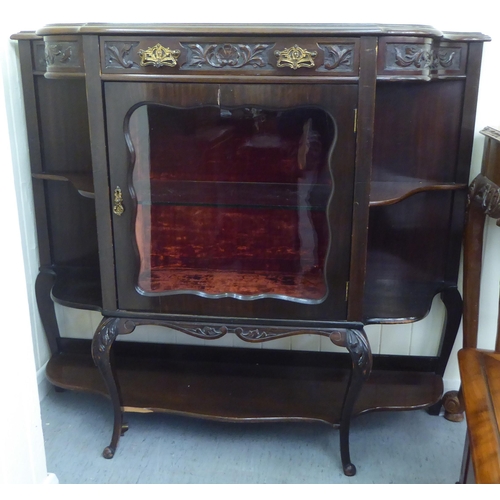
(237, 385)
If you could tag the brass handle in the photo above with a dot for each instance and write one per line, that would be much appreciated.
(159, 56)
(118, 202)
(295, 57)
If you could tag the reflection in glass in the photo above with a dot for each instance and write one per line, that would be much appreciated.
(231, 201)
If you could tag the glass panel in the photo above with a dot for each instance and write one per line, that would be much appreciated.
(232, 202)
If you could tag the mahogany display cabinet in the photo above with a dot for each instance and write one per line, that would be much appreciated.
(252, 180)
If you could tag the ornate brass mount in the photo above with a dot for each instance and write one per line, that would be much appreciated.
(118, 202)
(159, 56)
(295, 57)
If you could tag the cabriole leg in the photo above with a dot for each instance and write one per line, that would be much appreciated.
(104, 337)
(356, 343)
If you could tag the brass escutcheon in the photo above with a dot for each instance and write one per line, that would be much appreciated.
(159, 56)
(118, 202)
(295, 57)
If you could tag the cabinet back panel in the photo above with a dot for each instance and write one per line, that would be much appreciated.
(72, 227)
(63, 125)
(421, 142)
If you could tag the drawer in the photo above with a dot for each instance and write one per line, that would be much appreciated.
(420, 58)
(186, 56)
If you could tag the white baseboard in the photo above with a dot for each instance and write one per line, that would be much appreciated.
(44, 386)
(451, 384)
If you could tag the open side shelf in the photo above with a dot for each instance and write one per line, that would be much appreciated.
(385, 193)
(398, 301)
(78, 287)
(82, 182)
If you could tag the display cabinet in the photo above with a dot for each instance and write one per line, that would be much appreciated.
(259, 181)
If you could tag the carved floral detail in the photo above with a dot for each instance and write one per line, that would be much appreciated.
(227, 55)
(107, 332)
(337, 56)
(117, 55)
(356, 343)
(423, 58)
(58, 53)
(248, 333)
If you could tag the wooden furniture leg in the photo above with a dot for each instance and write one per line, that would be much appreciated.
(453, 303)
(43, 285)
(105, 335)
(356, 342)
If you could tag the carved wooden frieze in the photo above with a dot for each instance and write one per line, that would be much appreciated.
(62, 54)
(120, 55)
(63, 57)
(247, 333)
(227, 55)
(339, 58)
(420, 57)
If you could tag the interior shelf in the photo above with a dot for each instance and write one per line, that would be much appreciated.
(83, 182)
(238, 194)
(385, 193)
(230, 384)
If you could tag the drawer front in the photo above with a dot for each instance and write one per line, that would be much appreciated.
(420, 58)
(183, 56)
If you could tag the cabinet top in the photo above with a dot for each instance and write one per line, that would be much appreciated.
(253, 29)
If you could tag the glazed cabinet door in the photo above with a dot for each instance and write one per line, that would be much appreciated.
(232, 200)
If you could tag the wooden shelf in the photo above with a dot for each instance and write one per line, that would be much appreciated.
(227, 384)
(238, 194)
(385, 193)
(78, 287)
(393, 301)
(83, 182)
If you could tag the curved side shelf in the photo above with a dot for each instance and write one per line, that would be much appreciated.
(389, 193)
(82, 182)
(78, 287)
(392, 301)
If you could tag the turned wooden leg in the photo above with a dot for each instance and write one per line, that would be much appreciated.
(104, 337)
(357, 344)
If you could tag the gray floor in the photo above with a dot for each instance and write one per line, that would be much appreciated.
(387, 447)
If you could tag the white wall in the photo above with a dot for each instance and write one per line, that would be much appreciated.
(22, 456)
(25, 353)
